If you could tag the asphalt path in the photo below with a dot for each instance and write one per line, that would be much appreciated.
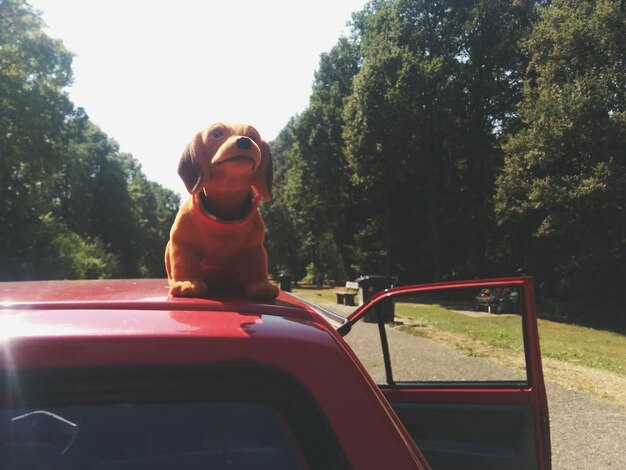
(587, 433)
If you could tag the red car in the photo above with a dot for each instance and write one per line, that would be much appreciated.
(116, 375)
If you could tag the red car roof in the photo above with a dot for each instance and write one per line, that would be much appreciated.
(147, 291)
(92, 290)
(55, 313)
(125, 309)
(133, 294)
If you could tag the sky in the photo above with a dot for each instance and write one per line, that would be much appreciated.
(151, 74)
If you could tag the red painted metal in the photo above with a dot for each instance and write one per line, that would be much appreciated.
(534, 394)
(67, 324)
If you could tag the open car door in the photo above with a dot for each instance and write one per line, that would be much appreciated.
(460, 363)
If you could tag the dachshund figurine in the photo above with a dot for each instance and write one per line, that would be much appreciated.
(216, 241)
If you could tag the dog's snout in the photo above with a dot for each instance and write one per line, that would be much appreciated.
(244, 143)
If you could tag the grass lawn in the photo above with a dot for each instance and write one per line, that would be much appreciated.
(313, 294)
(570, 343)
(582, 345)
(501, 331)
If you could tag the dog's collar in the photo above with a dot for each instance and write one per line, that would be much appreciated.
(208, 217)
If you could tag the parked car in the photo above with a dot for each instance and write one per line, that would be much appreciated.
(498, 300)
(113, 374)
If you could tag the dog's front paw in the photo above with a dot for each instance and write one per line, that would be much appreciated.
(193, 288)
(262, 291)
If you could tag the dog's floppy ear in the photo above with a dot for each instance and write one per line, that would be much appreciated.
(189, 171)
(264, 176)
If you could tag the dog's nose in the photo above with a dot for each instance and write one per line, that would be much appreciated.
(244, 143)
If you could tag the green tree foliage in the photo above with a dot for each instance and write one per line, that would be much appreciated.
(69, 255)
(104, 195)
(311, 171)
(73, 205)
(465, 138)
(283, 218)
(391, 167)
(153, 210)
(34, 71)
(437, 87)
(562, 193)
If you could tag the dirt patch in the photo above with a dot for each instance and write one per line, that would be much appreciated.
(604, 384)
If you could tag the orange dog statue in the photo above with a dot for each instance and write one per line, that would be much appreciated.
(216, 241)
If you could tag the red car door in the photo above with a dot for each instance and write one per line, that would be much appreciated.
(461, 365)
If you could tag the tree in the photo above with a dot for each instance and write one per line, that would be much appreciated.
(562, 192)
(34, 72)
(73, 205)
(284, 225)
(154, 209)
(103, 195)
(313, 195)
(437, 85)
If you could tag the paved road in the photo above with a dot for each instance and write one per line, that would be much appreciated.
(587, 433)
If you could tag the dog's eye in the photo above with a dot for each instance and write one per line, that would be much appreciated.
(218, 133)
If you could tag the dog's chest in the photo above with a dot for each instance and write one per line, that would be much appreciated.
(227, 239)
(230, 238)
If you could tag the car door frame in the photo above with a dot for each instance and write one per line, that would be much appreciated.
(531, 393)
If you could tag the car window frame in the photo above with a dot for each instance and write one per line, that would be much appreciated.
(532, 354)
